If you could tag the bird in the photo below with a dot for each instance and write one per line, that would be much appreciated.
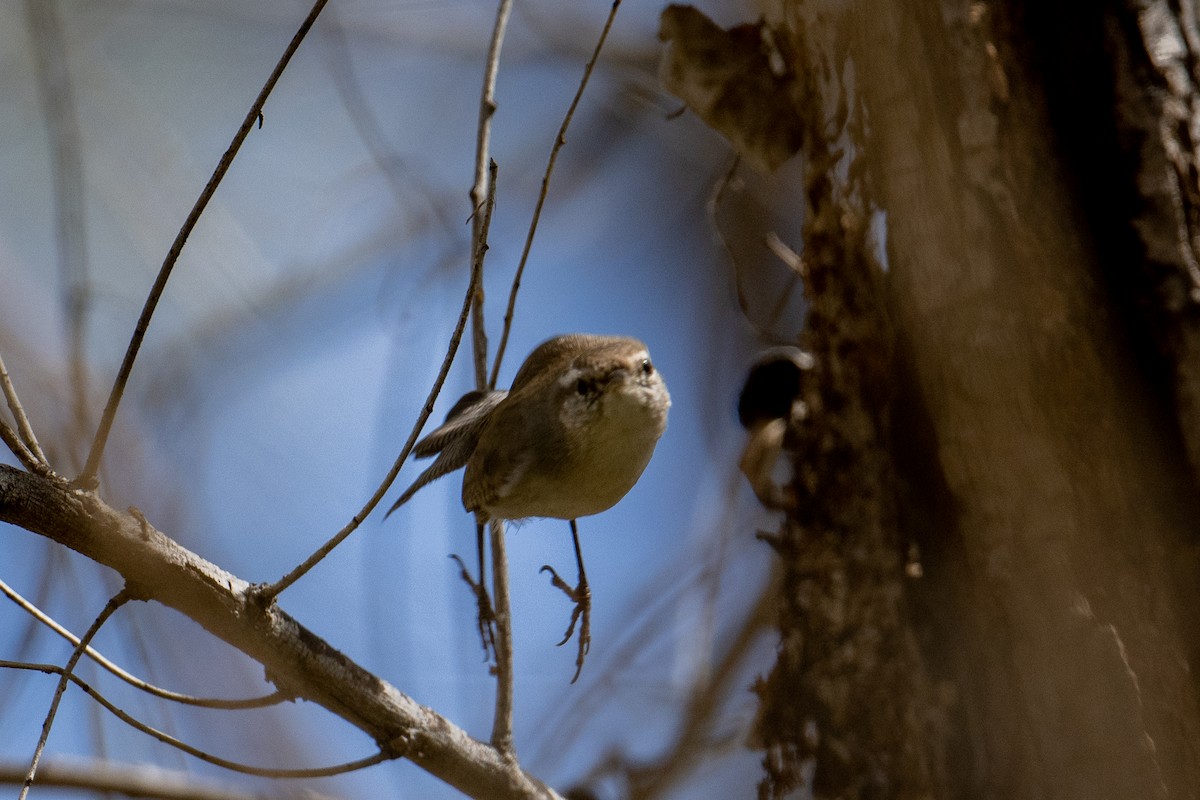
(568, 439)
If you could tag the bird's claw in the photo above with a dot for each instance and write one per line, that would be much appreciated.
(581, 596)
(485, 616)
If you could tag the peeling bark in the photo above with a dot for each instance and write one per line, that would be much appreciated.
(1037, 166)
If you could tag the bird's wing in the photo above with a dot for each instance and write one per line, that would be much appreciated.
(491, 477)
(454, 441)
(518, 437)
(464, 422)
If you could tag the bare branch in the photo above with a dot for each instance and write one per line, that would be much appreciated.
(168, 739)
(141, 780)
(502, 722)
(298, 661)
(116, 601)
(87, 478)
(487, 109)
(29, 441)
(18, 448)
(479, 236)
(271, 699)
(712, 207)
(559, 141)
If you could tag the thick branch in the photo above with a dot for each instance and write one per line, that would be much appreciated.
(298, 661)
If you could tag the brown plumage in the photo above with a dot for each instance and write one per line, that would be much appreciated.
(569, 439)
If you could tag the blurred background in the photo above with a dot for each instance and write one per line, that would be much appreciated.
(301, 331)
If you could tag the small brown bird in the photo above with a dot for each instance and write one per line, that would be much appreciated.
(569, 439)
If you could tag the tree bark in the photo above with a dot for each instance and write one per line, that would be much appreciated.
(1036, 165)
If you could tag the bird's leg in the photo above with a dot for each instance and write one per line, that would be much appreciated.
(485, 616)
(581, 595)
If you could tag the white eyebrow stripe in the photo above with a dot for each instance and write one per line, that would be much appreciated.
(574, 373)
(570, 376)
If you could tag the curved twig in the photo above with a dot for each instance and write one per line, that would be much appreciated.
(116, 601)
(483, 136)
(485, 184)
(166, 738)
(27, 439)
(142, 780)
(271, 699)
(18, 448)
(502, 722)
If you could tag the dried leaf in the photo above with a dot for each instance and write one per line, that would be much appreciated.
(737, 80)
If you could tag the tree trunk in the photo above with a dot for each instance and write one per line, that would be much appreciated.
(1031, 434)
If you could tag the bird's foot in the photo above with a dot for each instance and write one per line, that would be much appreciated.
(581, 595)
(485, 617)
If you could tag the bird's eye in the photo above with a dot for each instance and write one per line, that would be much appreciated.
(584, 387)
(647, 368)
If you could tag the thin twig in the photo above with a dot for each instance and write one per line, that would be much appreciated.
(166, 738)
(269, 593)
(789, 257)
(18, 448)
(479, 338)
(88, 477)
(487, 108)
(485, 184)
(712, 207)
(274, 698)
(18, 411)
(142, 780)
(479, 248)
(559, 141)
(502, 723)
(116, 601)
(796, 272)
(483, 137)
(26, 638)
(478, 254)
